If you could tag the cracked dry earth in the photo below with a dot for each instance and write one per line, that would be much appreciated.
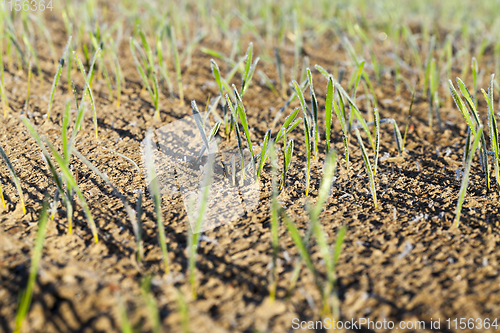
(398, 262)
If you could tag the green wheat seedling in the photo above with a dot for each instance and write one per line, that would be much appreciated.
(474, 69)
(307, 133)
(314, 104)
(65, 182)
(5, 102)
(147, 71)
(249, 70)
(30, 74)
(268, 82)
(14, 178)
(355, 79)
(263, 153)
(175, 51)
(493, 128)
(198, 216)
(377, 141)
(330, 300)
(183, 308)
(369, 169)
(88, 89)
(131, 214)
(328, 113)
(126, 326)
(154, 190)
(71, 183)
(243, 119)
(274, 221)
(327, 289)
(465, 112)
(27, 294)
(340, 112)
(465, 176)
(57, 76)
(201, 128)
(234, 118)
(226, 114)
(148, 297)
(291, 122)
(287, 161)
(428, 60)
(73, 88)
(355, 110)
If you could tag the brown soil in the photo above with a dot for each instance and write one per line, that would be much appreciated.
(399, 262)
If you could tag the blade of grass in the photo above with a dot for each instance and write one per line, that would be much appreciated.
(465, 177)
(27, 294)
(153, 313)
(493, 128)
(328, 112)
(263, 153)
(274, 222)
(461, 107)
(175, 51)
(238, 136)
(307, 132)
(14, 178)
(248, 64)
(315, 107)
(358, 115)
(288, 153)
(368, 168)
(154, 190)
(243, 118)
(30, 74)
(87, 84)
(377, 141)
(200, 215)
(74, 186)
(57, 76)
(182, 305)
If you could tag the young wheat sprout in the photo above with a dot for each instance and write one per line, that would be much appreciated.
(154, 189)
(14, 178)
(26, 295)
(369, 169)
(465, 177)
